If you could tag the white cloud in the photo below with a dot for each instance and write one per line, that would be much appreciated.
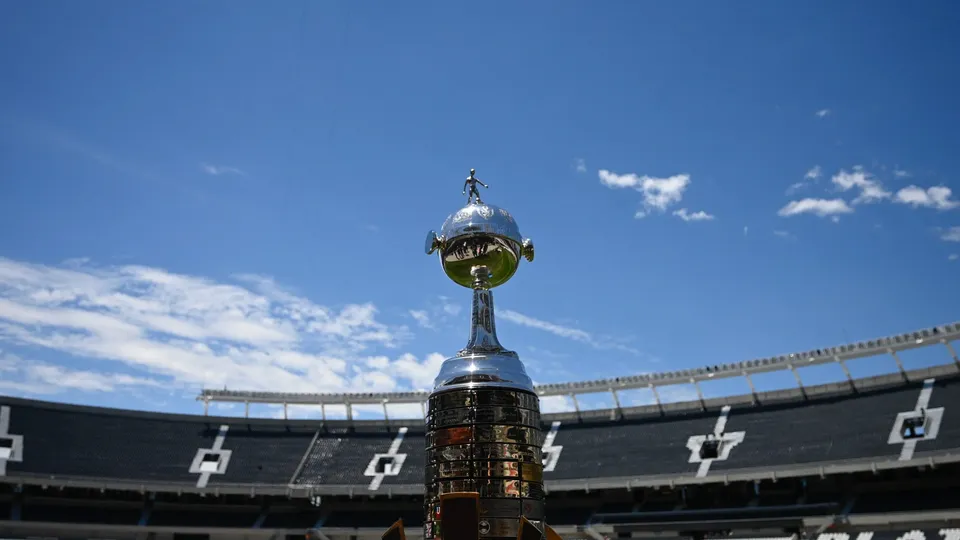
(567, 332)
(822, 113)
(555, 404)
(581, 165)
(217, 170)
(814, 173)
(937, 197)
(187, 332)
(746, 230)
(871, 190)
(658, 193)
(900, 173)
(819, 207)
(951, 235)
(696, 216)
(953, 256)
(783, 234)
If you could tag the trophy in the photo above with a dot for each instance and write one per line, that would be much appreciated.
(484, 471)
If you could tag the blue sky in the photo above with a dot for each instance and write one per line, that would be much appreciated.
(236, 193)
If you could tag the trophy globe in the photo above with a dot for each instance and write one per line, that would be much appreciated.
(480, 247)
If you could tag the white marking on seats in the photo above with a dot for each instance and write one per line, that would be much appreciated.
(16, 442)
(931, 424)
(391, 469)
(552, 451)
(717, 432)
(727, 442)
(217, 448)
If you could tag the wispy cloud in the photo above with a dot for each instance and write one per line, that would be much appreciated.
(783, 234)
(437, 312)
(795, 187)
(21, 376)
(937, 197)
(217, 170)
(187, 332)
(900, 173)
(810, 176)
(449, 307)
(63, 141)
(567, 332)
(695, 216)
(951, 235)
(822, 113)
(953, 256)
(422, 317)
(818, 207)
(871, 190)
(581, 165)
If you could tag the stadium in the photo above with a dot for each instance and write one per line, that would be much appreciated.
(876, 456)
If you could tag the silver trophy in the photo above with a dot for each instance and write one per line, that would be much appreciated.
(483, 422)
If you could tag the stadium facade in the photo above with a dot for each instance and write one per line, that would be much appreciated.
(879, 455)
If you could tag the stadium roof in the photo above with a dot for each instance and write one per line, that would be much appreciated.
(943, 334)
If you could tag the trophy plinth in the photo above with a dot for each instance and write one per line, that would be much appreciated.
(483, 420)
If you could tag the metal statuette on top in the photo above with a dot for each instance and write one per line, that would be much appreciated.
(472, 182)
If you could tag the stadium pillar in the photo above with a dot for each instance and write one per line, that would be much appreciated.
(796, 375)
(846, 371)
(656, 397)
(952, 352)
(703, 403)
(284, 410)
(903, 372)
(616, 399)
(753, 389)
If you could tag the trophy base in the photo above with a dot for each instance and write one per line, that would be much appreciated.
(461, 520)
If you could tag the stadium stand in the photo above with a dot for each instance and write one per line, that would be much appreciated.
(164, 449)
(833, 458)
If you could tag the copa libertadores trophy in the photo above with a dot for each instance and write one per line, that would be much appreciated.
(484, 473)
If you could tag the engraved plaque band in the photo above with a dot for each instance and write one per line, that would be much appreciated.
(485, 441)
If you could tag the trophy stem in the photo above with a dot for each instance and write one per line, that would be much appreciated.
(483, 328)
